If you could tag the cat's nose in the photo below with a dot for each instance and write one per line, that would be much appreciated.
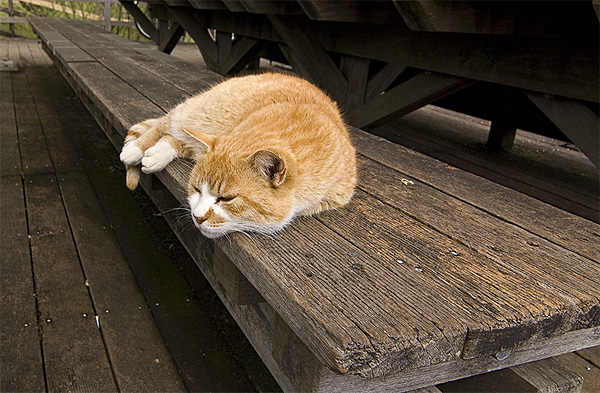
(200, 220)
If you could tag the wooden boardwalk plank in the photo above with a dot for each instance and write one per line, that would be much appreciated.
(10, 160)
(565, 229)
(21, 355)
(127, 62)
(547, 173)
(74, 352)
(59, 142)
(140, 362)
(34, 153)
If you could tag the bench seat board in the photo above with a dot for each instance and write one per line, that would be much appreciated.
(428, 268)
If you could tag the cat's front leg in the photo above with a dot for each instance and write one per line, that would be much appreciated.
(157, 157)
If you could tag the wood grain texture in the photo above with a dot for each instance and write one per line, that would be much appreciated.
(542, 168)
(564, 229)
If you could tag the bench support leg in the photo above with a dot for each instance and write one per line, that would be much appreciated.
(502, 135)
(578, 122)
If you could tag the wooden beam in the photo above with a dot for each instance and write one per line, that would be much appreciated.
(309, 56)
(349, 11)
(356, 72)
(383, 79)
(578, 122)
(235, 55)
(141, 19)
(169, 36)
(208, 48)
(533, 63)
(418, 91)
(533, 19)
(236, 285)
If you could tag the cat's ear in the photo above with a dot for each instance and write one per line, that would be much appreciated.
(206, 141)
(269, 165)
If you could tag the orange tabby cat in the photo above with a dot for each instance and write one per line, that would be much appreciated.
(266, 148)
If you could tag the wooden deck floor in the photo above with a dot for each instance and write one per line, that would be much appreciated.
(92, 298)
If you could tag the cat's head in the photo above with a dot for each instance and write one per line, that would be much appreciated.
(232, 190)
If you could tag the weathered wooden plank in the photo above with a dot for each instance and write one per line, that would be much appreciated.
(537, 167)
(34, 154)
(185, 76)
(441, 266)
(150, 85)
(564, 229)
(74, 352)
(139, 358)
(58, 140)
(72, 54)
(453, 370)
(551, 375)
(505, 243)
(10, 159)
(21, 355)
(102, 87)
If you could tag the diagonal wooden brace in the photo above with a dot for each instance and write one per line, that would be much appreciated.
(411, 95)
(578, 122)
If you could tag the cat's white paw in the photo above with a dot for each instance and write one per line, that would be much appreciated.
(131, 154)
(158, 157)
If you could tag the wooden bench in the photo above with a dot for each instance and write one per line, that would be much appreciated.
(431, 274)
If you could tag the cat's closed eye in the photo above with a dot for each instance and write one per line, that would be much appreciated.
(227, 198)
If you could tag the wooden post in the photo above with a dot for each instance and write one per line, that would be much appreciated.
(502, 135)
(107, 24)
(11, 13)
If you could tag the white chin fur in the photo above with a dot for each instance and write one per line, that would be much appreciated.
(212, 233)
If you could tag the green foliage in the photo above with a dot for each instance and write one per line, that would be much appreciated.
(89, 10)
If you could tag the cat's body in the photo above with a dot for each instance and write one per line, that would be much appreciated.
(267, 148)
